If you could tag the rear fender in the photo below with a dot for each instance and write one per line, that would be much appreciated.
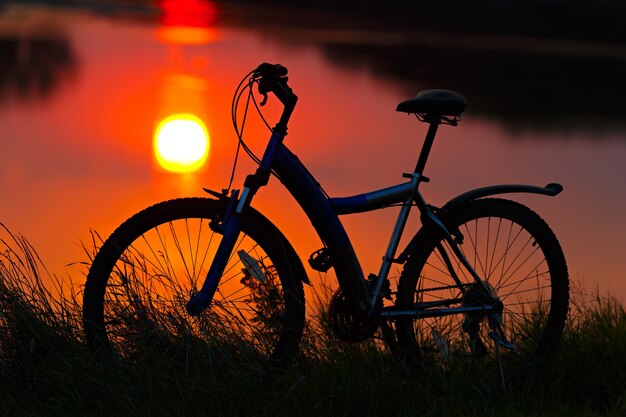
(551, 190)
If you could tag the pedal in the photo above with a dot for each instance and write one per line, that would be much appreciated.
(320, 260)
(501, 341)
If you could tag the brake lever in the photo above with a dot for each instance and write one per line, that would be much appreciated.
(263, 90)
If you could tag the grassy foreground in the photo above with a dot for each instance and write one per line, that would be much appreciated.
(45, 369)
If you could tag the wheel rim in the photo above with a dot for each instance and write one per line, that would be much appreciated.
(151, 282)
(514, 265)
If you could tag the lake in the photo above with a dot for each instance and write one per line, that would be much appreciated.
(82, 91)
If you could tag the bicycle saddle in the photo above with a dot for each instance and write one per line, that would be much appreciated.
(434, 102)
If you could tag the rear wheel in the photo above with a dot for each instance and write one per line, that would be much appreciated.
(143, 276)
(520, 259)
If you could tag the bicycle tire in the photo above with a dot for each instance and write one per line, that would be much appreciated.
(518, 255)
(142, 277)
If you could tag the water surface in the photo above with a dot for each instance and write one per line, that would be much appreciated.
(81, 94)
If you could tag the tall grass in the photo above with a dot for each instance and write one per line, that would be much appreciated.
(45, 368)
(34, 324)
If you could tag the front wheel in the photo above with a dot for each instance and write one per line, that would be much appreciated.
(514, 251)
(144, 274)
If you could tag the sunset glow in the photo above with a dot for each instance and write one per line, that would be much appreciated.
(181, 143)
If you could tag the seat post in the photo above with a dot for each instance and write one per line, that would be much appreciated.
(428, 143)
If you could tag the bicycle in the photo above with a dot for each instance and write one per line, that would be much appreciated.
(483, 276)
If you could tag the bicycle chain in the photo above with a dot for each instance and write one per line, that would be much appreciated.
(446, 287)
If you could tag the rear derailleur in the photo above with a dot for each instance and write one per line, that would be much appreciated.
(474, 296)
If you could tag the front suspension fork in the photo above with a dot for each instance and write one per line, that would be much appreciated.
(230, 228)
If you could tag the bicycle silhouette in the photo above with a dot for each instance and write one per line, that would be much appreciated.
(483, 276)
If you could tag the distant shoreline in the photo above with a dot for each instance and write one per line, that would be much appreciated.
(583, 20)
(530, 80)
(533, 75)
(572, 20)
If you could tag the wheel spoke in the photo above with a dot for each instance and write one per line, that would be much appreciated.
(519, 258)
(164, 253)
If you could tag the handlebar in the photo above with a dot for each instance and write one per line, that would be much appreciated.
(272, 78)
(269, 71)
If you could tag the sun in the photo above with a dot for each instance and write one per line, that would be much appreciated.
(181, 143)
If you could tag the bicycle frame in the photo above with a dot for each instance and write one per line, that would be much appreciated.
(323, 213)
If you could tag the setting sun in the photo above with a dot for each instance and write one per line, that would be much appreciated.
(181, 143)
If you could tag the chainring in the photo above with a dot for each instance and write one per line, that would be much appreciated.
(347, 325)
